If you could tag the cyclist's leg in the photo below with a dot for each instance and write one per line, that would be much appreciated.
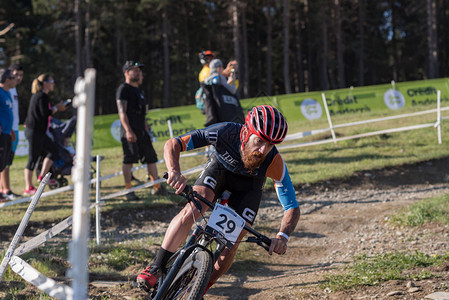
(225, 259)
(180, 226)
(209, 184)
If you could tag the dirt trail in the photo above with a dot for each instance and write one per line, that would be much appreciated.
(340, 219)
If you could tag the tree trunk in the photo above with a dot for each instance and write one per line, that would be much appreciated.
(236, 36)
(310, 83)
(166, 57)
(78, 38)
(87, 41)
(432, 39)
(393, 41)
(339, 40)
(244, 78)
(324, 80)
(269, 46)
(286, 71)
(299, 66)
(362, 43)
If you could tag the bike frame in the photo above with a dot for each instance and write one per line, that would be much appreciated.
(200, 234)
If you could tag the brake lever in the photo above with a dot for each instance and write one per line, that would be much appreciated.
(258, 241)
(263, 245)
(187, 190)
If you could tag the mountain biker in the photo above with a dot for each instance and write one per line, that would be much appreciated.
(245, 155)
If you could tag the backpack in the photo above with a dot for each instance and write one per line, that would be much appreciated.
(221, 105)
(199, 99)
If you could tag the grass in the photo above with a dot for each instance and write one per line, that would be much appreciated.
(430, 210)
(368, 271)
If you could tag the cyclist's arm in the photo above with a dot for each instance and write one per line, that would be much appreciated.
(286, 194)
(172, 150)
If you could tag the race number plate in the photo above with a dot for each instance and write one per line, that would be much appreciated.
(227, 222)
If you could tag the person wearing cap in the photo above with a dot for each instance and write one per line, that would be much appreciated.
(7, 135)
(37, 122)
(134, 131)
(5, 188)
(205, 58)
(216, 76)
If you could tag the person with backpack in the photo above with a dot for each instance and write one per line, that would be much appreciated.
(221, 102)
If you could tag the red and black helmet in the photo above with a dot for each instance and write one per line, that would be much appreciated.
(266, 122)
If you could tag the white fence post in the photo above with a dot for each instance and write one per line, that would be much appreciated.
(78, 251)
(97, 201)
(23, 225)
(328, 117)
(170, 129)
(438, 124)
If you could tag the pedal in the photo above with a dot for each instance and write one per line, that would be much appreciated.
(142, 287)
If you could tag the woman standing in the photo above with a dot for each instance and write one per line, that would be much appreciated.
(36, 124)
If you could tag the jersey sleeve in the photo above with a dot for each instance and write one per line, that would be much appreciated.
(203, 137)
(193, 139)
(282, 183)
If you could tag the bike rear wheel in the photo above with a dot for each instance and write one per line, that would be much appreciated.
(193, 277)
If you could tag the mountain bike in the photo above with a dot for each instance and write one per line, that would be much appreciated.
(189, 269)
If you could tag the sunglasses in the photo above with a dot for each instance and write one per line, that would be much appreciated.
(11, 77)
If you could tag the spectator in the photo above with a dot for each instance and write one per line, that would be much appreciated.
(134, 131)
(221, 104)
(7, 135)
(36, 125)
(231, 71)
(17, 72)
(205, 58)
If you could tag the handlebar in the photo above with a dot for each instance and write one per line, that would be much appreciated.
(193, 196)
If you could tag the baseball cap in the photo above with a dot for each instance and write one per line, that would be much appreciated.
(129, 64)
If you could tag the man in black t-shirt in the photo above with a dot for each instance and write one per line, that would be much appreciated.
(134, 134)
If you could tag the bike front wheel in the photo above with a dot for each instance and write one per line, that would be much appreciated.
(193, 277)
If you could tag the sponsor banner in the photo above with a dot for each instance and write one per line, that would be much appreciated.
(388, 98)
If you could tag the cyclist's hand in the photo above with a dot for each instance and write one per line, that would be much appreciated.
(278, 245)
(177, 181)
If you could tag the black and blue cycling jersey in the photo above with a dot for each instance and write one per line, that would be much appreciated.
(225, 137)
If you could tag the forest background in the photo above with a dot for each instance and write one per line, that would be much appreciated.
(283, 47)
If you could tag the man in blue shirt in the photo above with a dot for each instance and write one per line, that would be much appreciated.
(7, 135)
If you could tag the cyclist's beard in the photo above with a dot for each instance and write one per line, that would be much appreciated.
(252, 160)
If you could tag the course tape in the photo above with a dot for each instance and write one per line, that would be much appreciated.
(92, 181)
(43, 237)
(61, 226)
(45, 284)
(356, 136)
(23, 224)
(150, 183)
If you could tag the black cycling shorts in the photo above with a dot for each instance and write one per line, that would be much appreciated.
(246, 192)
(141, 150)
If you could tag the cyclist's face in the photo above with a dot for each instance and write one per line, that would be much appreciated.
(256, 144)
(255, 151)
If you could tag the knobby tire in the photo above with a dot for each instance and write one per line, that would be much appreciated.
(193, 277)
